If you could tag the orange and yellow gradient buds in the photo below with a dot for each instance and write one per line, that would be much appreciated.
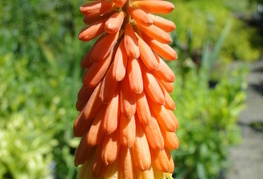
(126, 120)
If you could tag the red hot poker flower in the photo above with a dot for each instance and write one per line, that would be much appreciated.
(126, 121)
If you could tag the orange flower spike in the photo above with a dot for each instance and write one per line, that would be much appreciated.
(92, 31)
(155, 7)
(127, 131)
(147, 56)
(126, 164)
(97, 72)
(112, 114)
(143, 110)
(128, 99)
(120, 63)
(131, 42)
(104, 47)
(110, 148)
(140, 16)
(96, 8)
(135, 76)
(140, 150)
(96, 133)
(114, 22)
(163, 23)
(126, 120)
(154, 135)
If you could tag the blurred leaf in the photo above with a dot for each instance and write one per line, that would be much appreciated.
(201, 171)
(210, 56)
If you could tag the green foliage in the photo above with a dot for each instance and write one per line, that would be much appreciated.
(28, 25)
(40, 78)
(207, 119)
(258, 1)
(207, 114)
(36, 119)
(21, 130)
(39, 85)
(206, 18)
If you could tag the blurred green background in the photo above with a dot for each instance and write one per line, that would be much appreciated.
(40, 77)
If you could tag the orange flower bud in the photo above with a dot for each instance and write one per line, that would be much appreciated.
(114, 22)
(96, 8)
(158, 7)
